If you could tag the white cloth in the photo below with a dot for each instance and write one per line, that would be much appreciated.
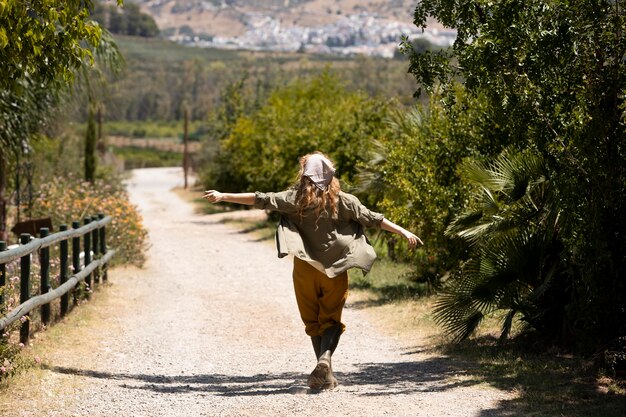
(319, 170)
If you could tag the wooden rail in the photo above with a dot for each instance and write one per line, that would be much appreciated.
(94, 242)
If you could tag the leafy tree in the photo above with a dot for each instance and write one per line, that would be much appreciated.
(127, 21)
(47, 39)
(236, 100)
(93, 78)
(554, 72)
(261, 150)
(41, 45)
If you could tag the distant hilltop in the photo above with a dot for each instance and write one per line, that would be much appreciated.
(323, 26)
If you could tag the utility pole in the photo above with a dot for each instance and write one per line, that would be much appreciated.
(185, 141)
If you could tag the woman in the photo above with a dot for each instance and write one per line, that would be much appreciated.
(322, 227)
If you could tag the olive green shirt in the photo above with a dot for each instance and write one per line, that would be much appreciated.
(332, 244)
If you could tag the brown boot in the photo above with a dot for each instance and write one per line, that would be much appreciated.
(322, 376)
(331, 381)
(319, 376)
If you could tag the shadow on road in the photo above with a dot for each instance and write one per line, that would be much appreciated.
(429, 376)
(371, 379)
(432, 375)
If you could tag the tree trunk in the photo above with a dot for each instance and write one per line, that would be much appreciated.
(101, 146)
(3, 201)
(90, 146)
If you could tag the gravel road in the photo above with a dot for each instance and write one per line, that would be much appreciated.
(209, 327)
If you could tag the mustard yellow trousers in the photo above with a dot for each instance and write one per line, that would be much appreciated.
(320, 299)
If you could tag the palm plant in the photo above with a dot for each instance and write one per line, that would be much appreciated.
(512, 229)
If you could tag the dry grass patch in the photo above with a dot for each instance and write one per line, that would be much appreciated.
(71, 340)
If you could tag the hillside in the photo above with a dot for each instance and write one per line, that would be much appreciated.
(229, 18)
(324, 26)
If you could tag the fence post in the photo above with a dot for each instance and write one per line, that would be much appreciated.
(63, 248)
(75, 257)
(94, 241)
(25, 287)
(103, 248)
(87, 256)
(44, 287)
(3, 276)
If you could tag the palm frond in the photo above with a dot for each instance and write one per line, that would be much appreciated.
(459, 320)
(509, 228)
(462, 306)
(409, 122)
(473, 234)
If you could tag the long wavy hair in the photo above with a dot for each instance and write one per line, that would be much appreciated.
(308, 196)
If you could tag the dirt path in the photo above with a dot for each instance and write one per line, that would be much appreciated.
(210, 328)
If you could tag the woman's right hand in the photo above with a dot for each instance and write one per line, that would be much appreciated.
(213, 196)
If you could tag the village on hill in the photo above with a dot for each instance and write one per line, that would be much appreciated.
(317, 26)
(364, 34)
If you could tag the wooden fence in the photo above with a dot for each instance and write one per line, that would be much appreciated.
(90, 270)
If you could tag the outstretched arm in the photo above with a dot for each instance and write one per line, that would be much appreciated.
(394, 228)
(214, 196)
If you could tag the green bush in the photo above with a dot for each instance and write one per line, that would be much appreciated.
(261, 149)
(139, 133)
(11, 362)
(411, 175)
(136, 157)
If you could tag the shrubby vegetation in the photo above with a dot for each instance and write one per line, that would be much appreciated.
(553, 74)
(411, 174)
(61, 192)
(65, 199)
(156, 129)
(260, 150)
(515, 263)
(138, 157)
